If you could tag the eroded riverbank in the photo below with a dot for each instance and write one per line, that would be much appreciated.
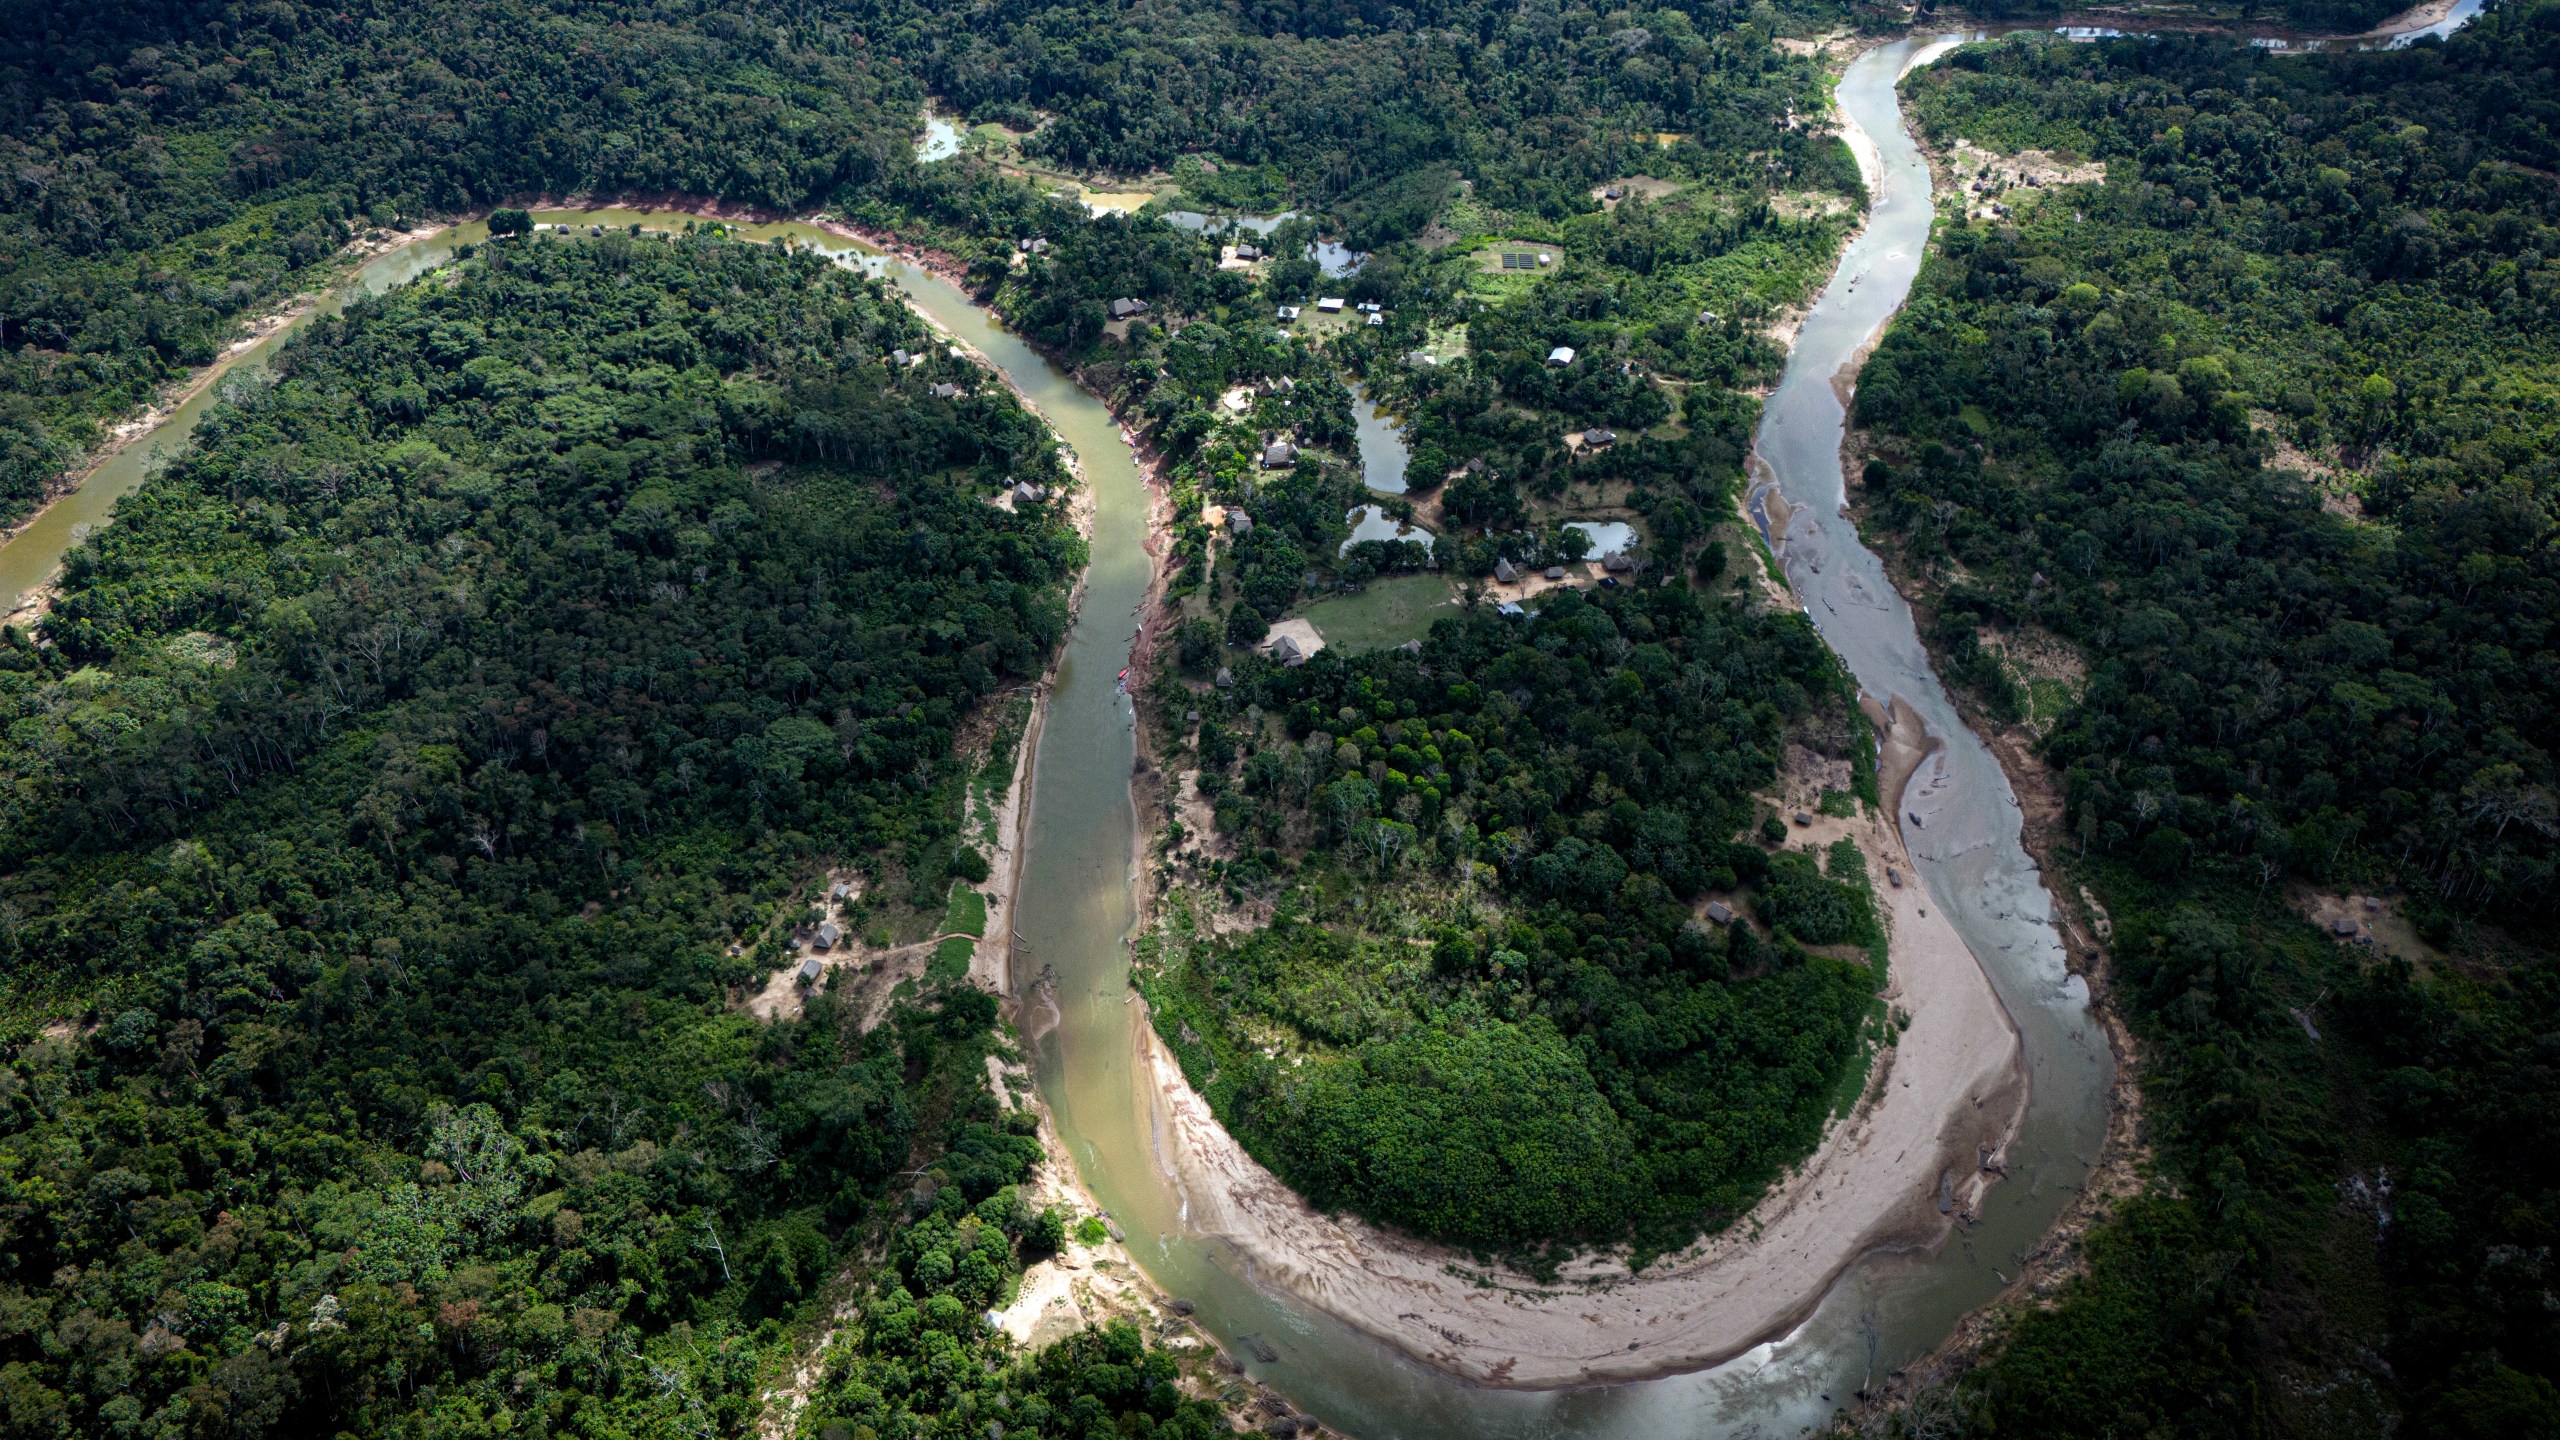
(1896, 1175)
(1075, 909)
(1810, 1335)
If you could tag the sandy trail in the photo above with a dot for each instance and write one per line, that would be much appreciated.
(1897, 1173)
(991, 965)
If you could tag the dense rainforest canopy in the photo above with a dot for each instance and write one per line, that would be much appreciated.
(1370, 116)
(404, 784)
(1571, 1055)
(2265, 427)
(167, 170)
(403, 788)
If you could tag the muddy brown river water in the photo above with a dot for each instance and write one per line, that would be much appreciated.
(1076, 898)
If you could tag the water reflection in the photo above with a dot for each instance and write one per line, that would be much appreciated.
(1335, 259)
(1371, 522)
(1194, 220)
(1383, 452)
(1608, 537)
(940, 141)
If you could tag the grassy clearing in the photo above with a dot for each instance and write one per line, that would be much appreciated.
(967, 913)
(1385, 615)
(950, 960)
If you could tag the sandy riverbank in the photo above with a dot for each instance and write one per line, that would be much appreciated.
(991, 965)
(1897, 1173)
(254, 332)
(32, 606)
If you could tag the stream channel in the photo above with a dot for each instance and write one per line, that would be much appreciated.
(1077, 899)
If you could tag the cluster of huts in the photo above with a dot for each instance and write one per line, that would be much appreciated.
(1333, 305)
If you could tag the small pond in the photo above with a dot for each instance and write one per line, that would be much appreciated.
(1607, 536)
(1383, 452)
(941, 138)
(1194, 220)
(1336, 260)
(1369, 522)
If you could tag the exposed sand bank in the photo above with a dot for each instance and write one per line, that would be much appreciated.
(33, 606)
(991, 965)
(1897, 1173)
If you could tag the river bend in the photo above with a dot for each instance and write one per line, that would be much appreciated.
(1076, 898)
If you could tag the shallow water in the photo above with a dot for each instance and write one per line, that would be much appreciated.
(940, 140)
(1194, 220)
(1383, 451)
(2461, 14)
(1608, 537)
(1370, 522)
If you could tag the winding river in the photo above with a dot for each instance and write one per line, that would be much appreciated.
(1077, 908)
(1077, 891)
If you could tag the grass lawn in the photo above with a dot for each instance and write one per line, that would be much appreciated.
(950, 959)
(1386, 614)
(967, 913)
